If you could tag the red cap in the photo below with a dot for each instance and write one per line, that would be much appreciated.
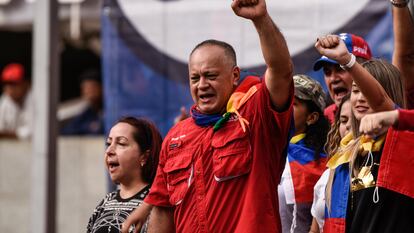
(13, 72)
(356, 45)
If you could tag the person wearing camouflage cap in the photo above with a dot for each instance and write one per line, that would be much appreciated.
(307, 88)
(306, 159)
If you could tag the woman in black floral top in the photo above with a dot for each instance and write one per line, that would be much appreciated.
(131, 158)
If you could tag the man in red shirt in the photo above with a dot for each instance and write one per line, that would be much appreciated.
(338, 80)
(219, 169)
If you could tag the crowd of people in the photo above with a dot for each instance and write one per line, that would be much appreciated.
(81, 116)
(265, 154)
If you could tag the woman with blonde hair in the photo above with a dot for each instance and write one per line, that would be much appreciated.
(358, 199)
(339, 129)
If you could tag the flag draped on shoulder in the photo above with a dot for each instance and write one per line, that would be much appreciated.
(305, 168)
(397, 162)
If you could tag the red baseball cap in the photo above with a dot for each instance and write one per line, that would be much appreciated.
(12, 73)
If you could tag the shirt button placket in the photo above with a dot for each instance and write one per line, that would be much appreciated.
(200, 196)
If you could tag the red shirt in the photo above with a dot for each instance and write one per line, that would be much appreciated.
(329, 112)
(225, 181)
(405, 120)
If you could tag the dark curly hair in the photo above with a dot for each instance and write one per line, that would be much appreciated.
(316, 133)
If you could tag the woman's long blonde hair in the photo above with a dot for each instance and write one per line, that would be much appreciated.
(390, 79)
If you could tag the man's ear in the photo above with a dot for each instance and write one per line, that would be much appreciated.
(236, 75)
(312, 118)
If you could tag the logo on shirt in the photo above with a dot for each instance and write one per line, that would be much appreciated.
(176, 142)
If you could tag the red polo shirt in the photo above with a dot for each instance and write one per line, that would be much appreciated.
(225, 181)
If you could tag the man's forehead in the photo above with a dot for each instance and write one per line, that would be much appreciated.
(207, 57)
(210, 49)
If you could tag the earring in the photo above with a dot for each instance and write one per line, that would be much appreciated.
(142, 163)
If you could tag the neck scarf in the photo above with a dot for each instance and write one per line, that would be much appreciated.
(243, 92)
(203, 120)
(344, 153)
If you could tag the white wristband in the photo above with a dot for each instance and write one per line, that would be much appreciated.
(350, 63)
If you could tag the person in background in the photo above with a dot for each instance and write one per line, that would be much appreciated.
(15, 103)
(338, 131)
(339, 81)
(131, 158)
(306, 159)
(89, 119)
(184, 114)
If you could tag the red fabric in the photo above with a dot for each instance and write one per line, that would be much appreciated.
(248, 164)
(248, 82)
(334, 225)
(304, 178)
(329, 112)
(406, 119)
(396, 171)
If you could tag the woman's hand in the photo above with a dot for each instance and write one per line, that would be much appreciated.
(137, 218)
(377, 124)
(334, 48)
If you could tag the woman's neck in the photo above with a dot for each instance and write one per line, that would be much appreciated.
(129, 189)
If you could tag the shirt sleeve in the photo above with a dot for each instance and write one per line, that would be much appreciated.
(318, 205)
(158, 195)
(282, 120)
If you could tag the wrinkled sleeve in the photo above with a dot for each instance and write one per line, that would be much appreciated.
(318, 205)
(405, 120)
(282, 121)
